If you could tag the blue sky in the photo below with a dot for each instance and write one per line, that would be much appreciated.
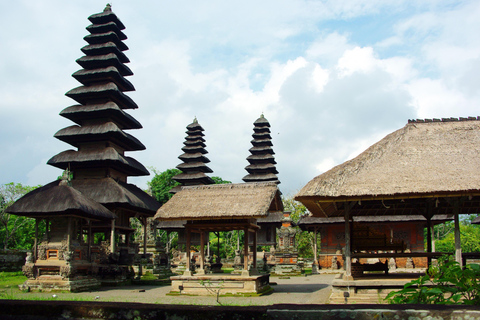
(332, 77)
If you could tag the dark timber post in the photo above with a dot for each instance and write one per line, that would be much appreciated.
(348, 249)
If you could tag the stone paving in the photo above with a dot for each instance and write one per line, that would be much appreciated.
(311, 289)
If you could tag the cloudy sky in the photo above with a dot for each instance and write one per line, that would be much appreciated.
(331, 76)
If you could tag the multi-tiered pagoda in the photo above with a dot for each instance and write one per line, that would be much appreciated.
(262, 162)
(194, 166)
(88, 212)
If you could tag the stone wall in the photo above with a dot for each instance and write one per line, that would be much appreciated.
(12, 260)
(16, 309)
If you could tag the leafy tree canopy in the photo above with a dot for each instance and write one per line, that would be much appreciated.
(16, 232)
(163, 182)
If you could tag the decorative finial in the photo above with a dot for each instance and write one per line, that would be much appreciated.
(108, 7)
(262, 116)
(195, 120)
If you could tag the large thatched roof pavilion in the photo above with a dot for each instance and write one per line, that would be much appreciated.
(428, 167)
(222, 207)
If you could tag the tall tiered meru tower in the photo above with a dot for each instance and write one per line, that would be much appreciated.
(262, 162)
(194, 160)
(87, 213)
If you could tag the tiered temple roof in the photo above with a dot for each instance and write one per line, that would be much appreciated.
(101, 120)
(194, 160)
(262, 162)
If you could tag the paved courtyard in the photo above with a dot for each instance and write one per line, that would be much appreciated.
(312, 289)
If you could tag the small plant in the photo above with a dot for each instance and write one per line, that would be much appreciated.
(446, 283)
(213, 290)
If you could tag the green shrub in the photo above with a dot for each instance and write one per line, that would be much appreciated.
(446, 283)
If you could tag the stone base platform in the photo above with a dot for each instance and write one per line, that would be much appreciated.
(371, 288)
(56, 283)
(221, 284)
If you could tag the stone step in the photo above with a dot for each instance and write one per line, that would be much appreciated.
(357, 298)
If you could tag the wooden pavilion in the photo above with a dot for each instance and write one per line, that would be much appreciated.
(370, 233)
(428, 167)
(222, 207)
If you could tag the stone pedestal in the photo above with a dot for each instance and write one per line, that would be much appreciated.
(203, 285)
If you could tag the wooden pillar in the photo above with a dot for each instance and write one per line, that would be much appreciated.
(428, 216)
(202, 253)
(35, 244)
(145, 236)
(188, 231)
(208, 244)
(245, 250)
(348, 249)
(89, 240)
(112, 237)
(254, 251)
(315, 249)
(69, 232)
(458, 242)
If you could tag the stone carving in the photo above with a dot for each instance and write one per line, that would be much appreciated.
(392, 265)
(63, 249)
(29, 271)
(42, 250)
(67, 272)
(29, 258)
(334, 263)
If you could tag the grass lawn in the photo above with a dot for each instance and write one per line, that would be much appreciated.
(11, 279)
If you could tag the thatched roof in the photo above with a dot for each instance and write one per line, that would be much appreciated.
(274, 218)
(424, 159)
(57, 198)
(107, 157)
(222, 201)
(110, 110)
(112, 193)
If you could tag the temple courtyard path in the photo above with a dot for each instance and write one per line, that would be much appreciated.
(312, 289)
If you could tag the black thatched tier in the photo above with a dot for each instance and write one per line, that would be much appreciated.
(193, 178)
(190, 157)
(109, 111)
(262, 163)
(112, 193)
(106, 37)
(261, 178)
(103, 61)
(198, 166)
(105, 48)
(106, 16)
(106, 27)
(109, 74)
(195, 143)
(262, 142)
(261, 150)
(194, 148)
(108, 131)
(57, 198)
(106, 92)
(98, 158)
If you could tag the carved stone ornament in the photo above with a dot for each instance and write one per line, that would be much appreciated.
(29, 271)
(42, 251)
(67, 271)
(63, 250)
(29, 258)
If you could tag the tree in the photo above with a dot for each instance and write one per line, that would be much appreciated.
(162, 183)
(16, 232)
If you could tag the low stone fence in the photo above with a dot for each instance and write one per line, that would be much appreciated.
(16, 309)
(12, 260)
